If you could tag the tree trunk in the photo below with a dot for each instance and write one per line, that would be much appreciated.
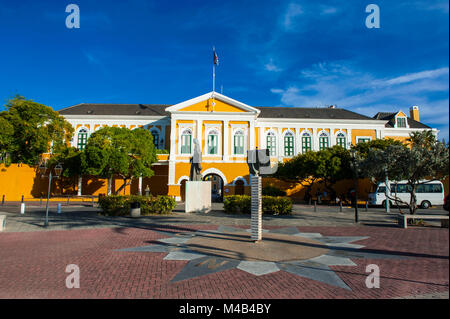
(109, 186)
(123, 185)
(413, 200)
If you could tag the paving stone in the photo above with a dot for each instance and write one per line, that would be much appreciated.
(258, 268)
(332, 260)
(204, 266)
(183, 255)
(314, 271)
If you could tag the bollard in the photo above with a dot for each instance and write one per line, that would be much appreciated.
(22, 208)
(67, 200)
(3, 200)
(340, 206)
(22, 198)
(309, 202)
(58, 209)
(315, 206)
(367, 206)
(92, 201)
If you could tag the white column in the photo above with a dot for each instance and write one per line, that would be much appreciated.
(315, 140)
(80, 183)
(173, 152)
(226, 139)
(140, 185)
(296, 141)
(349, 137)
(332, 137)
(280, 144)
(199, 131)
(251, 135)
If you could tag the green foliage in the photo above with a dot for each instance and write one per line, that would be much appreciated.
(327, 166)
(272, 191)
(31, 129)
(425, 159)
(115, 205)
(119, 151)
(270, 204)
(6, 139)
(158, 151)
(363, 149)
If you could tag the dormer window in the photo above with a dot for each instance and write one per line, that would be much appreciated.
(401, 122)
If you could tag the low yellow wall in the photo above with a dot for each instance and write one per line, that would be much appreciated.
(17, 180)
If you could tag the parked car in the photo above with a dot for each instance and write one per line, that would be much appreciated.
(428, 193)
(447, 202)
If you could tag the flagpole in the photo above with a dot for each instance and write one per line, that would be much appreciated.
(214, 76)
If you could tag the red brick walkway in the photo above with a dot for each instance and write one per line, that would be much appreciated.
(32, 265)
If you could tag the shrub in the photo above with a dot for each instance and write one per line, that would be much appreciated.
(272, 191)
(116, 205)
(270, 204)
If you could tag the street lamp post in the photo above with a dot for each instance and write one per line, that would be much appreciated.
(355, 178)
(42, 169)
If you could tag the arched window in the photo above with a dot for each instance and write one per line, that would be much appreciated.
(186, 141)
(155, 135)
(213, 140)
(289, 144)
(272, 143)
(306, 142)
(341, 140)
(82, 139)
(239, 143)
(324, 141)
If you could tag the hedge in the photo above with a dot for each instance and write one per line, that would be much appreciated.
(117, 205)
(270, 204)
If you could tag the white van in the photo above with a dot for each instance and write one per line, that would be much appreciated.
(429, 194)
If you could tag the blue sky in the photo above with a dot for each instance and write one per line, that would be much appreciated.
(272, 53)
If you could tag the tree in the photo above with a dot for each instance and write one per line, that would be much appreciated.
(36, 129)
(425, 158)
(326, 166)
(119, 151)
(6, 138)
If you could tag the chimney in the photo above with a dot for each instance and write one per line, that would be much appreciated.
(414, 113)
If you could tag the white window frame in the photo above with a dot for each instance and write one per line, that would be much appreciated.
(182, 129)
(365, 137)
(306, 133)
(159, 136)
(274, 134)
(321, 135)
(83, 128)
(401, 117)
(219, 140)
(345, 136)
(292, 134)
(244, 136)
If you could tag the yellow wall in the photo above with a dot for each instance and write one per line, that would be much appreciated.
(206, 106)
(359, 133)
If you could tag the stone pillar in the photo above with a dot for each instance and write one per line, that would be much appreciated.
(251, 135)
(256, 208)
(80, 183)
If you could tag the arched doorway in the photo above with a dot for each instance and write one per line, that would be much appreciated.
(216, 186)
(239, 187)
(183, 190)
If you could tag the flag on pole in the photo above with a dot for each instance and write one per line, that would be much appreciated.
(215, 57)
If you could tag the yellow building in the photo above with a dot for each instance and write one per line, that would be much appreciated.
(227, 129)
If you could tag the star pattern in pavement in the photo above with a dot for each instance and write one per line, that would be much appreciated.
(340, 250)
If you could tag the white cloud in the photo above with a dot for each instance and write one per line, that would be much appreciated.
(292, 12)
(272, 67)
(344, 85)
(418, 76)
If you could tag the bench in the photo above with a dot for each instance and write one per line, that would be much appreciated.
(403, 219)
(2, 222)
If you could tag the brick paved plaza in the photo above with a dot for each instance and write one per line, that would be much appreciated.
(125, 258)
